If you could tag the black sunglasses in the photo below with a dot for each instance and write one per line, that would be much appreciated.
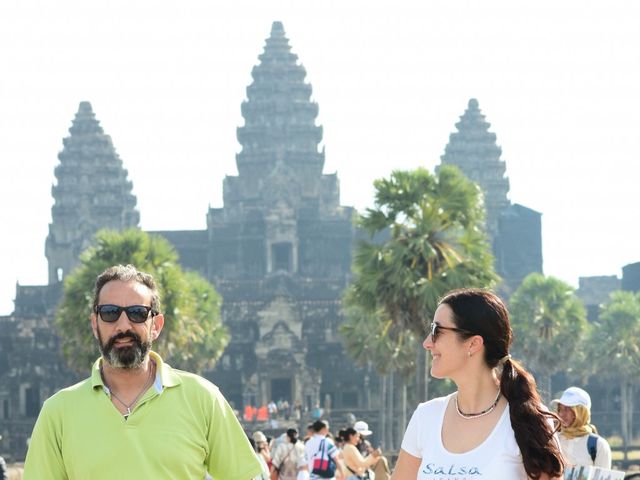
(434, 330)
(135, 313)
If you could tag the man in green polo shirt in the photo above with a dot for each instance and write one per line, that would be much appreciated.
(136, 417)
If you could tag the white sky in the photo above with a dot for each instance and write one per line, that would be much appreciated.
(558, 80)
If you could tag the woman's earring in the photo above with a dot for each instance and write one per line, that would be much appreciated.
(469, 352)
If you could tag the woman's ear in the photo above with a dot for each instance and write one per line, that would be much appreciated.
(476, 344)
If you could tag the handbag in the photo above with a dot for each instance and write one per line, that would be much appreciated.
(324, 466)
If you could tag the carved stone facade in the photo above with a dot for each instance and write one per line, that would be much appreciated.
(279, 250)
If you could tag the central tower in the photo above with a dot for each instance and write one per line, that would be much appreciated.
(279, 250)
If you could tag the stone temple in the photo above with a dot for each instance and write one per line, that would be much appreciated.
(515, 230)
(278, 250)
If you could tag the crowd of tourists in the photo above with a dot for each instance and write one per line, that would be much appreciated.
(319, 454)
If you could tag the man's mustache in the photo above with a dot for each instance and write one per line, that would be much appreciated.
(122, 335)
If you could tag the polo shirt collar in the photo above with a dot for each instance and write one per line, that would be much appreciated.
(165, 376)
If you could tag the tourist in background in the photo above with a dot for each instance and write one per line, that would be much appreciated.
(262, 447)
(508, 433)
(356, 464)
(579, 439)
(289, 458)
(320, 447)
(380, 468)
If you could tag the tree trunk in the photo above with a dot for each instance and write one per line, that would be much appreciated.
(383, 412)
(403, 413)
(545, 387)
(390, 415)
(624, 415)
(631, 409)
(420, 377)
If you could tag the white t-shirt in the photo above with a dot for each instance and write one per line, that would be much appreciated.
(498, 457)
(576, 453)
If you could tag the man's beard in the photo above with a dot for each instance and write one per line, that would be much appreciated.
(129, 357)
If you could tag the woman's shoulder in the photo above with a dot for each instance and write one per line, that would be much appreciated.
(433, 406)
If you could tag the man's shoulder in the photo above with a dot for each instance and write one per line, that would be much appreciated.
(193, 380)
(68, 396)
(76, 390)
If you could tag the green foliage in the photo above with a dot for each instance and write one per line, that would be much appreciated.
(615, 338)
(549, 322)
(193, 337)
(426, 237)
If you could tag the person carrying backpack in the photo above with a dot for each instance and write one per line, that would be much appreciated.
(579, 440)
(322, 455)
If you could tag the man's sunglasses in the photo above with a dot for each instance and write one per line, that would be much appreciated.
(434, 330)
(136, 313)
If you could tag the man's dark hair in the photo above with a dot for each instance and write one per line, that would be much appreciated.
(127, 273)
(318, 425)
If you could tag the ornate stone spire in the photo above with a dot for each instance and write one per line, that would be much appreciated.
(92, 192)
(473, 150)
(279, 131)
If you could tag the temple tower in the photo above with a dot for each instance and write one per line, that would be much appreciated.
(473, 150)
(92, 192)
(279, 250)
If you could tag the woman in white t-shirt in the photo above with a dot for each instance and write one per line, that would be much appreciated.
(495, 426)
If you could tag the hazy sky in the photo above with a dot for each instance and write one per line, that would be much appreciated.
(558, 80)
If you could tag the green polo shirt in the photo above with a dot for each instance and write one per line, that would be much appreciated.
(181, 428)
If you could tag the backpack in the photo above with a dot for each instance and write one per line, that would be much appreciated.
(324, 466)
(592, 446)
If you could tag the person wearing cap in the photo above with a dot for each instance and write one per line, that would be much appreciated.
(135, 416)
(580, 443)
(495, 425)
(380, 467)
(262, 447)
(356, 464)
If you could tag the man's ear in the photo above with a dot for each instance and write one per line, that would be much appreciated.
(156, 325)
(94, 324)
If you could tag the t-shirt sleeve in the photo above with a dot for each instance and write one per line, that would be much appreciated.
(603, 454)
(410, 443)
(332, 450)
(230, 455)
(44, 456)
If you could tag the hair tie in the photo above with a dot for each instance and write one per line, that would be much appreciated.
(504, 359)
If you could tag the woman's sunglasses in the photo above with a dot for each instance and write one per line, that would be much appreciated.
(135, 313)
(434, 330)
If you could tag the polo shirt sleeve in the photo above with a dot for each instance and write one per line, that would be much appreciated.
(44, 456)
(230, 455)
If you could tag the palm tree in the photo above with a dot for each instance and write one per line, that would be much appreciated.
(615, 341)
(426, 237)
(549, 322)
(193, 337)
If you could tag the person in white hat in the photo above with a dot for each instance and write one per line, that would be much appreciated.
(580, 443)
(380, 466)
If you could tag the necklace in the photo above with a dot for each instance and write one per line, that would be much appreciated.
(129, 406)
(486, 411)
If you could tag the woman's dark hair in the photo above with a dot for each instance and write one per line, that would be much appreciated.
(348, 433)
(292, 433)
(481, 312)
